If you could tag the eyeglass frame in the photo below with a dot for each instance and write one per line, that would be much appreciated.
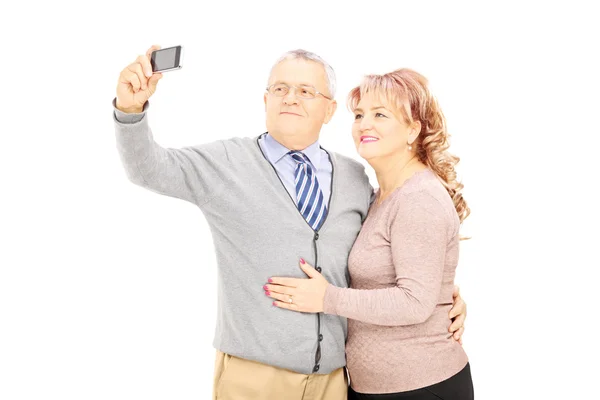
(296, 87)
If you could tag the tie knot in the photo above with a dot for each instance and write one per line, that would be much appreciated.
(299, 156)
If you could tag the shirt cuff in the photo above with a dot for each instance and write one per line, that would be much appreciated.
(129, 118)
(331, 299)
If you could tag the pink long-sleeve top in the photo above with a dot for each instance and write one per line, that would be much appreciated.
(402, 269)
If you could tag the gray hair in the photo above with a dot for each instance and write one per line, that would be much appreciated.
(308, 56)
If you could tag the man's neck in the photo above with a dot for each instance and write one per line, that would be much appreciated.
(295, 142)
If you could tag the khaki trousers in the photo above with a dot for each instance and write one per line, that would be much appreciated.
(239, 379)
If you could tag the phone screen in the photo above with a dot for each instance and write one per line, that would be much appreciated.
(165, 59)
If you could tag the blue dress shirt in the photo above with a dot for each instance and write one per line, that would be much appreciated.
(286, 166)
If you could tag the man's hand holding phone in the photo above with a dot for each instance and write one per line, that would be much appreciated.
(137, 83)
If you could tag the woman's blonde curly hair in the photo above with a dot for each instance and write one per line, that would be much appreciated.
(408, 92)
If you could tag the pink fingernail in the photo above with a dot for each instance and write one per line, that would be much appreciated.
(275, 304)
(265, 287)
(268, 293)
(270, 280)
(302, 261)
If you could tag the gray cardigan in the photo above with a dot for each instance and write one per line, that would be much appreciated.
(258, 232)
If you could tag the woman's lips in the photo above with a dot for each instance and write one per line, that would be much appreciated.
(368, 139)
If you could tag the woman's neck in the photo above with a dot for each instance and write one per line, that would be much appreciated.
(391, 174)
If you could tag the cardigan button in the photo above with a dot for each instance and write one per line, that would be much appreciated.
(318, 269)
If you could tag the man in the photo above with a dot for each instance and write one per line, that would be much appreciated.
(262, 223)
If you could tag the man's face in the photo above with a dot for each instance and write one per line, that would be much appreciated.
(292, 117)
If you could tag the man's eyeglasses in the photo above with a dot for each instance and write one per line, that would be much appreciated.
(304, 92)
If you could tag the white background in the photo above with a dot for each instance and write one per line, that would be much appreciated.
(107, 291)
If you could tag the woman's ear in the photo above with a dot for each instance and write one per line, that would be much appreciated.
(415, 130)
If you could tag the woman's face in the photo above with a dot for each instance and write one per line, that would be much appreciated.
(377, 132)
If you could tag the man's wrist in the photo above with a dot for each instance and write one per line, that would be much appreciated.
(129, 110)
(129, 116)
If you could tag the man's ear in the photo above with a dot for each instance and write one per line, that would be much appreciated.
(265, 99)
(330, 111)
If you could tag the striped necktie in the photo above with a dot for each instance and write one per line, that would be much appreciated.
(309, 197)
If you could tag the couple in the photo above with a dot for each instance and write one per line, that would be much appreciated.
(301, 287)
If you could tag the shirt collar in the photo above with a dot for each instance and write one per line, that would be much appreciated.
(276, 151)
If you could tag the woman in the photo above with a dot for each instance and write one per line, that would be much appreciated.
(403, 263)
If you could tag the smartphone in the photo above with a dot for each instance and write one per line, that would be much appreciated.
(167, 59)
